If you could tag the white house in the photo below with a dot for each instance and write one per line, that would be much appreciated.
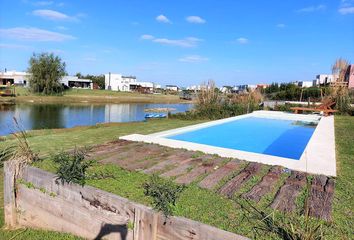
(118, 82)
(75, 82)
(173, 88)
(193, 88)
(304, 84)
(14, 77)
(323, 79)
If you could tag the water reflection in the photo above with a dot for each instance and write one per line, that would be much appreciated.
(41, 116)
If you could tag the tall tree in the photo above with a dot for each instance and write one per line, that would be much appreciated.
(45, 71)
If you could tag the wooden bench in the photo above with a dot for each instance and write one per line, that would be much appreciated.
(326, 112)
(325, 107)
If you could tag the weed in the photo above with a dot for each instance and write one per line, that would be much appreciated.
(72, 167)
(164, 194)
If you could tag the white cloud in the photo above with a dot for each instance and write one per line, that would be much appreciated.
(312, 9)
(34, 34)
(53, 15)
(346, 10)
(281, 25)
(193, 59)
(186, 42)
(195, 19)
(147, 37)
(14, 46)
(242, 40)
(163, 19)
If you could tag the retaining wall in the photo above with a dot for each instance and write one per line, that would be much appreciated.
(39, 202)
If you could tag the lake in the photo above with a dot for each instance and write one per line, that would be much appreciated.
(47, 116)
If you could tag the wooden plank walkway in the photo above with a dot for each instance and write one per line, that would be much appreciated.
(230, 175)
(266, 185)
(230, 188)
(321, 197)
(286, 196)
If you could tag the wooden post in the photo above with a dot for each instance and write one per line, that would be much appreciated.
(145, 224)
(9, 195)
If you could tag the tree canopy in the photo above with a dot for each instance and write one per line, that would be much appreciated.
(45, 71)
(96, 79)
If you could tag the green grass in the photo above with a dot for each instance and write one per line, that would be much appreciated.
(52, 140)
(194, 203)
(95, 96)
(343, 207)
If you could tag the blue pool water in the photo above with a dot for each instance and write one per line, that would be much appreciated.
(282, 138)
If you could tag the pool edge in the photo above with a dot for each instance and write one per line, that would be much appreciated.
(317, 158)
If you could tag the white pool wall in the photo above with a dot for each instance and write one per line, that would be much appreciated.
(317, 158)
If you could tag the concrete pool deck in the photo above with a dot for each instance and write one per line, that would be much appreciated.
(317, 158)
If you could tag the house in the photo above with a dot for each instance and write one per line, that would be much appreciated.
(14, 78)
(262, 86)
(304, 84)
(349, 76)
(226, 89)
(118, 82)
(172, 88)
(75, 82)
(324, 79)
(245, 88)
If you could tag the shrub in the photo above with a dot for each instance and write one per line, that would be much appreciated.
(212, 105)
(164, 194)
(72, 166)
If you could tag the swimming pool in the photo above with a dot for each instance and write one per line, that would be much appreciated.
(277, 137)
(296, 141)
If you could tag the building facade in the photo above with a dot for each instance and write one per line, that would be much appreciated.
(118, 82)
(325, 79)
(14, 78)
(349, 77)
(75, 82)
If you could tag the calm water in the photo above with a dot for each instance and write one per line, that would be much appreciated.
(260, 135)
(39, 116)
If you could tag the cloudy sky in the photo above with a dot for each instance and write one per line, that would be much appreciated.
(182, 42)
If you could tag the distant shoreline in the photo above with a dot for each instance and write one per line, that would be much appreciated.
(91, 96)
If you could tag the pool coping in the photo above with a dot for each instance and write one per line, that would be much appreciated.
(317, 158)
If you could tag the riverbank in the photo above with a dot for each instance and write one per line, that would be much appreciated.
(196, 203)
(92, 96)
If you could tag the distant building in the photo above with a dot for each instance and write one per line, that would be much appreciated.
(304, 84)
(118, 82)
(226, 89)
(262, 86)
(173, 88)
(14, 78)
(75, 82)
(324, 79)
(349, 76)
(246, 87)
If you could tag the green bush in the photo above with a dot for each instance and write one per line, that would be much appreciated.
(72, 167)
(164, 194)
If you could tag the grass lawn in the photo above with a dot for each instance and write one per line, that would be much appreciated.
(95, 96)
(195, 203)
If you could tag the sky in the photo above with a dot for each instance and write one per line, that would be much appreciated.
(182, 42)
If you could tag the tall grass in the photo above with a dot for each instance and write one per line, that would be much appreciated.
(212, 104)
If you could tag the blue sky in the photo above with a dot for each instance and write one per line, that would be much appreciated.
(182, 42)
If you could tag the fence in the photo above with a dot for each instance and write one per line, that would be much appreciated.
(39, 202)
